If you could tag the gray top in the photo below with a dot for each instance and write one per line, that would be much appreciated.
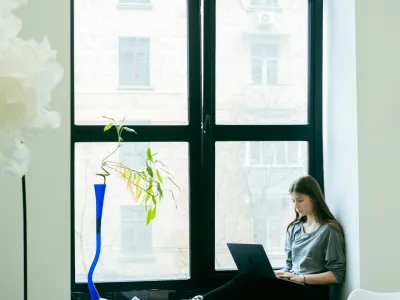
(316, 252)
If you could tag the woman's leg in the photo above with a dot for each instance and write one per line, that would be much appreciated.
(251, 287)
(234, 289)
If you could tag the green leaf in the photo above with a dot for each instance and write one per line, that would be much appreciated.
(150, 187)
(150, 171)
(138, 178)
(147, 197)
(154, 200)
(148, 218)
(149, 156)
(158, 176)
(108, 118)
(153, 212)
(160, 190)
(129, 129)
(107, 127)
(139, 193)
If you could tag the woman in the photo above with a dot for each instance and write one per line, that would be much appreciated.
(315, 253)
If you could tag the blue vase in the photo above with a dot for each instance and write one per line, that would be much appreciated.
(100, 190)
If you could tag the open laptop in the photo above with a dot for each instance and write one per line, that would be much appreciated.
(252, 259)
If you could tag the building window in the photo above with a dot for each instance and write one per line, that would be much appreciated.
(266, 3)
(136, 236)
(275, 154)
(265, 63)
(134, 61)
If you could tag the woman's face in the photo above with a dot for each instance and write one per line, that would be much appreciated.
(303, 204)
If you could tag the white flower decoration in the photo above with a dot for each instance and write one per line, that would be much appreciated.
(28, 74)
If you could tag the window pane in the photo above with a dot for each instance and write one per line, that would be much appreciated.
(272, 71)
(125, 69)
(130, 63)
(141, 69)
(293, 154)
(134, 61)
(268, 153)
(131, 250)
(280, 153)
(253, 204)
(269, 76)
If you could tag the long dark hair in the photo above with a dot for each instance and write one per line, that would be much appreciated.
(307, 185)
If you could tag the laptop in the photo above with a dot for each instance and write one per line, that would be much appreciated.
(252, 259)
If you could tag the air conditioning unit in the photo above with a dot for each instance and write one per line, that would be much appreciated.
(265, 19)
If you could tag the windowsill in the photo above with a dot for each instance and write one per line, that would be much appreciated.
(264, 8)
(135, 87)
(136, 6)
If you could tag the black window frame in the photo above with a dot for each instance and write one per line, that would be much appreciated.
(201, 133)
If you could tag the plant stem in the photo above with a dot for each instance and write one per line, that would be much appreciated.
(115, 150)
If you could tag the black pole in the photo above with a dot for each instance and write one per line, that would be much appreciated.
(25, 238)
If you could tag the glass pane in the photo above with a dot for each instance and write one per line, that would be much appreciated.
(253, 204)
(268, 153)
(130, 62)
(131, 250)
(262, 62)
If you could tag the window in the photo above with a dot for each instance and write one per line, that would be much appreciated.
(268, 3)
(134, 61)
(233, 148)
(136, 237)
(275, 154)
(264, 63)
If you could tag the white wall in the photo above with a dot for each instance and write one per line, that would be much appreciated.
(48, 181)
(378, 73)
(11, 238)
(361, 141)
(340, 142)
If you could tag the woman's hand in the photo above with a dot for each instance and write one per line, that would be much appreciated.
(297, 278)
(290, 276)
(282, 274)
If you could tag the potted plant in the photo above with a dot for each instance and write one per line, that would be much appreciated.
(146, 186)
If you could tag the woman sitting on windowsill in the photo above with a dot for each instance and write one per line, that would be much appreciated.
(315, 254)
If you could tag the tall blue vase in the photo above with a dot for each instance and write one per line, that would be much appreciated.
(100, 190)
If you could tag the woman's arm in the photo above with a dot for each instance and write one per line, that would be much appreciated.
(288, 250)
(322, 278)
